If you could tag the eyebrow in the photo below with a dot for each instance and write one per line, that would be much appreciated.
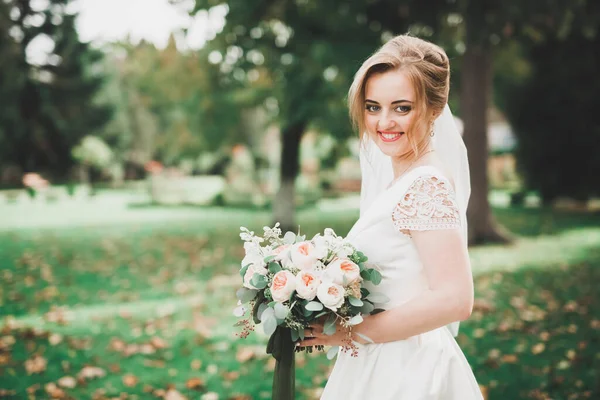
(393, 102)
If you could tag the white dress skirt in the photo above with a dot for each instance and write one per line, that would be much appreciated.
(427, 366)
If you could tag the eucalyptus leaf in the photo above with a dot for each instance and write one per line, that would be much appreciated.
(269, 325)
(319, 315)
(295, 335)
(244, 269)
(365, 337)
(332, 352)
(378, 298)
(259, 281)
(270, 258)
(314, 306)
(355, 302)
(367, 307)
(375, 276)
(357, 319)
(329, 327)
(245, 295)
(289, 238)
(281, 311)
(274, 267)
(260, 310)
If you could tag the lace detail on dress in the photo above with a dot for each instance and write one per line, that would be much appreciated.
(428, 204)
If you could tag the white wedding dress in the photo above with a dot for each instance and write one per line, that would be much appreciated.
(427, 366)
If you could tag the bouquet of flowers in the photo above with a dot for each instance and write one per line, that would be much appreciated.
(290, 282)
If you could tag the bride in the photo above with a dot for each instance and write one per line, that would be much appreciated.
(412, 227)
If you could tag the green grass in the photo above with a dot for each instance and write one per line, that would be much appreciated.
(100, 296)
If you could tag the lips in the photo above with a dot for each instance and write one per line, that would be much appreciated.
(390, 136)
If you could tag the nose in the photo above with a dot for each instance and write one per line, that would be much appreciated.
(385, 122)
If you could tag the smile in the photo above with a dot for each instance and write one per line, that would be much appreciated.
(390, 136)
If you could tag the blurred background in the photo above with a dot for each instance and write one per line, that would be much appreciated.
(137, 136)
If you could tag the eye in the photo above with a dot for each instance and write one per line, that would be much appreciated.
(372, 108)
(403, 109)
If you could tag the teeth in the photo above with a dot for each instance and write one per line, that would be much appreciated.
(390, 135)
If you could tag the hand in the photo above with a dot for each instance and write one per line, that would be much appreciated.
(314, 336)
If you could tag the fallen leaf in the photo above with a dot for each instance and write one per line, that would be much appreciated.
(173, 394)
(538, 348)
(54, 391)
(67, 382)
(36, 364)
(91, 373)
(509, 358)
(196, 364)
(130, 380)
(244, 354)
(195, 383)
(158, 343)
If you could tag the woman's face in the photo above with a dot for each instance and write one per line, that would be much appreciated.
(389, 111)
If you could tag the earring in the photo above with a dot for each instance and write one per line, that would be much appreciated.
(432, 133)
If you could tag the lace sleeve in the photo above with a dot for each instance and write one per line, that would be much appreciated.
(428, 204)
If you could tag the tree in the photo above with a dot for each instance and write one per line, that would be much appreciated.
(487, 25)
(300, 57)
(53, 97)
(559, 131)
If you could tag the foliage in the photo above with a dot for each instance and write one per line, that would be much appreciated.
(93, 151)
(53, 103)
(553, 114)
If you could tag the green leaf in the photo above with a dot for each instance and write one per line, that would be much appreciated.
(289, 238)
(365, 337)
(378, 298)
(357, 319)
(259, 310)
(270, 258)
(329, 328)
(365, 274)
(281, 311)
(375, 276)
(274, 267)
(259, 281)
(244, 269)
(269, 324)
(314, 306)
(295, 335)
(367, 307)
(355, 302)
(332, 352)
(245, 295)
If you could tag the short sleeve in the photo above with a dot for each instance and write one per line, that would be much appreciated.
(428, 204)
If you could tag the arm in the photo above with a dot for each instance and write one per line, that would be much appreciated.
(448, 299)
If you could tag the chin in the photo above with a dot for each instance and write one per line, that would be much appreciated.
(393, 149)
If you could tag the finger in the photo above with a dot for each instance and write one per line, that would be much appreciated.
(309, 342)
(309, 333)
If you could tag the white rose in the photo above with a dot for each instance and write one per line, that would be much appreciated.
(321, 246)
(345, 250)
(254, 258)
(331, 295)
(253, 269)
(283, 285)
(342, 271)
(304, 255)
(282, 253)
(307, 284)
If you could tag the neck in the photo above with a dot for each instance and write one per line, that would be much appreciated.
(404, 162)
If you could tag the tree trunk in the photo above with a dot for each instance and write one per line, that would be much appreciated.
(284, 204)
(476, 84)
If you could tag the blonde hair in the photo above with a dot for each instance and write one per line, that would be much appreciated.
(428, 69)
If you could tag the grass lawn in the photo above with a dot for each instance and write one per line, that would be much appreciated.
(142, 309)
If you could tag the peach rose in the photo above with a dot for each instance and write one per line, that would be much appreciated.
(283, 285)
(307, 284)
(304, 255)
(343, 271)
(331, 295)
